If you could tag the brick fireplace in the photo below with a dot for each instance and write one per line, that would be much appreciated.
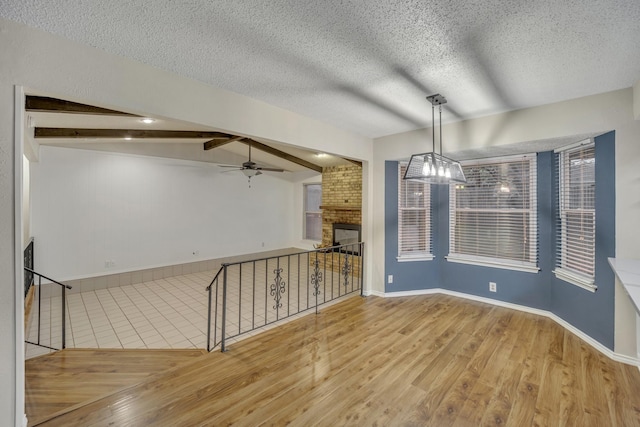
(341, 204)
(341, 198)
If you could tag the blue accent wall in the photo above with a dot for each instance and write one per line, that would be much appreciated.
(593, 313)
(407, 276)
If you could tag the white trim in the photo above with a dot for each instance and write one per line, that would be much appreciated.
(492, 262)
(574, 279)
(526, 263)
(413, 293)
(574, 145)
(499, 159)
(629, 360)
(18, 136)
(411, 258)
(368, 292)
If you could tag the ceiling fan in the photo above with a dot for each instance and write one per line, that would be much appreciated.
(249, 168)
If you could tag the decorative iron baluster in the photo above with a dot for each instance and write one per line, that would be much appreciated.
(346, 269)
(316, 278)
(278, 288)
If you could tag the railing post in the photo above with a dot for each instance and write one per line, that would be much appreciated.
(39, 306)
(224, 308)
(209, 320)
(64, 317)
(316, 283)
(361, 269)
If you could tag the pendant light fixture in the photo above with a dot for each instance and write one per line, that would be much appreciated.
(434, 168)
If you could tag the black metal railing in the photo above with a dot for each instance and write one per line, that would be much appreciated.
(28, 263)
(46, 315)
(245, 296)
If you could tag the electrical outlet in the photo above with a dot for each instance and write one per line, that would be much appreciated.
(493, 287)
(390, 278)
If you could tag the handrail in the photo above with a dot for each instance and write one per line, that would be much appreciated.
(327, 249)
(214, 279)
(48, 278)
(293, 283)
(28, 258)
(64, 308)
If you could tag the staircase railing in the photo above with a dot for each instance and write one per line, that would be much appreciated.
(249, 295)
(212, 317)
(50, 309)
(28, 263)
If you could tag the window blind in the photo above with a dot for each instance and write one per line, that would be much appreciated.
(312, 212)
(414, 217)
(577, 216)
(493, 217)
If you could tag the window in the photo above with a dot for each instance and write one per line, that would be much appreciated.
(576, 250)
(414, 219)
(312, 212)
(492, 218)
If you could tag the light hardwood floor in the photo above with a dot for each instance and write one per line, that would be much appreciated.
(418, 361)
(59, 382)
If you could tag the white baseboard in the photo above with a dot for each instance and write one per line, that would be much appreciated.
(629, 360)
(367, 293)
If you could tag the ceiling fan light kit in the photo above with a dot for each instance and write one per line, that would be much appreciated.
(251, 172)
(250, 169)
(433, 167)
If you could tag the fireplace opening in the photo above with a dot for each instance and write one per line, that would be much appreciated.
(347, 234)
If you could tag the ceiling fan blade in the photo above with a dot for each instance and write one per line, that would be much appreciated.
(230, 166)
(270, 169)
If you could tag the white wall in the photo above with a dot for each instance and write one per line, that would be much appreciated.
(89, 207)
(50, 65)
(26, 201)
(636, 100)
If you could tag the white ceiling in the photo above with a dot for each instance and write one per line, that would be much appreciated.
(366, 66)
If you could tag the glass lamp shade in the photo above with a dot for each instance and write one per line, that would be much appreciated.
(251, 172)
(432, 168)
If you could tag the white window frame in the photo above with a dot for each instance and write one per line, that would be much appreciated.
(563, 271)
(425, 255)
(305, 212)
(531, 265)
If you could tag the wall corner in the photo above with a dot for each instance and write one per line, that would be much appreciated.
(636, 100)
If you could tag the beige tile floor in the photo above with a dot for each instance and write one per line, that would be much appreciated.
(172, 312)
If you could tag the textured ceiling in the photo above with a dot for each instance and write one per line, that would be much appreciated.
(366, 66)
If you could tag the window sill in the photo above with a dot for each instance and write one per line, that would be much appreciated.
(412, 258)
(580, 281)
(492, 263)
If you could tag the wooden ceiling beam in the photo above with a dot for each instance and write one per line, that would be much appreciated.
(355, 162)
(42, 132)
(53, 105)
(215, 143)
(282, 154)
